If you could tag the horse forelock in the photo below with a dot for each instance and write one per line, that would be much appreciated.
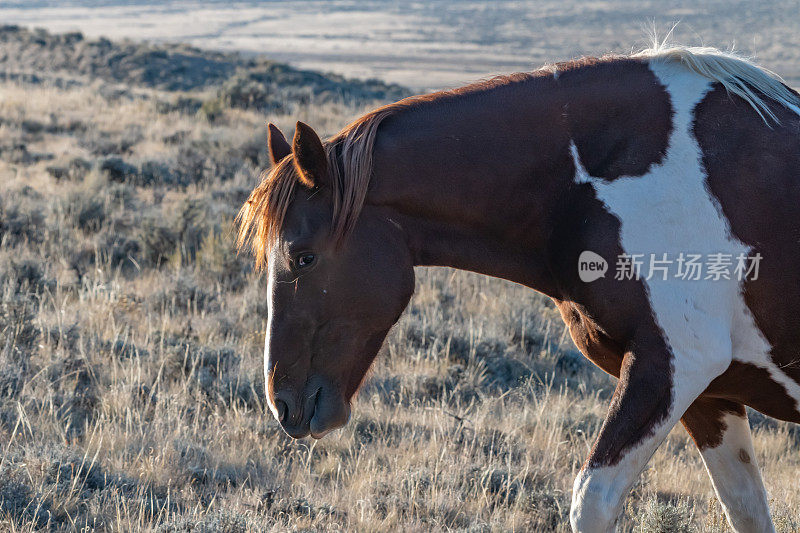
(261, 217)
(349, 154)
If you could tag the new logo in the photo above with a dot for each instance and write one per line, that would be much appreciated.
(591, 266)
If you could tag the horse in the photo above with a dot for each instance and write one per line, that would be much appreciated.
(671, 153)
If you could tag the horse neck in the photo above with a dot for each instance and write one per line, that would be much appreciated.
(473, 178)
(484, 178)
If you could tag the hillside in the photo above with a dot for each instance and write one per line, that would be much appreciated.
(37, 56)
(131, 334)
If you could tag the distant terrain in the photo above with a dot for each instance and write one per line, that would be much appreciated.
(131, 333)
(433, 44)
(256, 82)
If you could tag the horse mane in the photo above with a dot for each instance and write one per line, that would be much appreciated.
(350, 152)
(751, 82)
(349, 156)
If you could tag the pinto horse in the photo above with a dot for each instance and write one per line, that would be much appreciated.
(666, 152)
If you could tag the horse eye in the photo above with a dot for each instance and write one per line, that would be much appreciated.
(305, 260)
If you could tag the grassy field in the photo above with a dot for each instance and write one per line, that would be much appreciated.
(131, 337)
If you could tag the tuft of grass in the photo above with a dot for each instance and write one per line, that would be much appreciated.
(659, 516)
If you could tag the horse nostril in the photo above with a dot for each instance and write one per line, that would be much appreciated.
(282, 409)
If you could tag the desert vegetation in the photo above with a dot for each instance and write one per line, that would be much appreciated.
(131, 333)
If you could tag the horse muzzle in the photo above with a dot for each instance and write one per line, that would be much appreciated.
(317, 410)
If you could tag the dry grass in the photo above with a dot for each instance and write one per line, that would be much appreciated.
(131, 389)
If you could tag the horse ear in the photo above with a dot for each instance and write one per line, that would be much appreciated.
(276, 144)
(310, 158)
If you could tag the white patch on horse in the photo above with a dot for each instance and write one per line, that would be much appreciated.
(669, 210)
(706, 323)
(581, 175)
(737, 481)
(750, 346)
(270, 305)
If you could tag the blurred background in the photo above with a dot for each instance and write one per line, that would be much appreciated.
(431, 45)
(131, 333)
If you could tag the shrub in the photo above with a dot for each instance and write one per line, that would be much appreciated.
(116, 169)
(86, 211)
(191, 225)
(217, 256)
(23, 275)
(182, 292)
(18, 225)
(17, 329)
(666, 517)
(156, 173)
(203, 162)
(119, 250)
(157, 241)
(212, 109)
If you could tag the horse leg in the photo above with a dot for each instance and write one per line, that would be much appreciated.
(654, 390)
(721, 432)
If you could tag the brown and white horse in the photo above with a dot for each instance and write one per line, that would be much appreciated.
(662, 154)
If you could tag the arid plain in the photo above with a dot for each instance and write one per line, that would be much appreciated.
(131, 333)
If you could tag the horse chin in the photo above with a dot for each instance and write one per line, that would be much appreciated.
(329, 415)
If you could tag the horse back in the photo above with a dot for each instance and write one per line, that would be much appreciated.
(753, 173)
